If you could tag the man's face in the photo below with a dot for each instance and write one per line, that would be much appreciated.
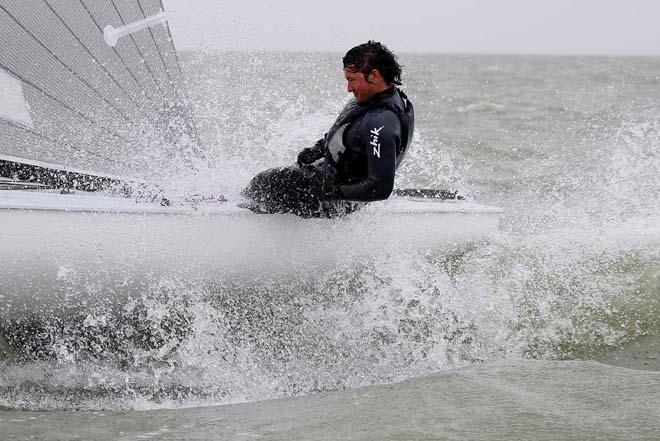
(358, 85)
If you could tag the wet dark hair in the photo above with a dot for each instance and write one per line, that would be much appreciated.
(374, 55)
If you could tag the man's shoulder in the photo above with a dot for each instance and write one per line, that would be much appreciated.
(384, 121)
(382, 114)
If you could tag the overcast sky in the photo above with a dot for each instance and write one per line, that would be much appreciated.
(448, 26)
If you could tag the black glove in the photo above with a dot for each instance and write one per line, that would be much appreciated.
(307, 156)
(310, 155)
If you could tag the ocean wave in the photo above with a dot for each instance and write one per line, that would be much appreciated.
(182, 343)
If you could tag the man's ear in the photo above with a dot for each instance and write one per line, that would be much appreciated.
(374, 76)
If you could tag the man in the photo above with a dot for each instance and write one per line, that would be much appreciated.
(355, 162)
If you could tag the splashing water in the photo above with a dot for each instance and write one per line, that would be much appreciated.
(573, 273)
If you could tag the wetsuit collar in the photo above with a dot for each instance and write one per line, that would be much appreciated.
(381, 95)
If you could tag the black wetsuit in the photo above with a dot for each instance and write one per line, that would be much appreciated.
(355, 162)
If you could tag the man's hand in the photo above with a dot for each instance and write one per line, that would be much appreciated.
(307, 156)
(310, 155)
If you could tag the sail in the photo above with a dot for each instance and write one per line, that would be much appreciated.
(78, 102)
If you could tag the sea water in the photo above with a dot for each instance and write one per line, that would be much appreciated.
(548, 329)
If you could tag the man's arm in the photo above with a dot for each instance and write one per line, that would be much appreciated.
(382, 134)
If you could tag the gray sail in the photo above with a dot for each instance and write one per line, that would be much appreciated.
(119, 111)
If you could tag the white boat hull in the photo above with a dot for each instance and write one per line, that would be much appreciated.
(66, 252)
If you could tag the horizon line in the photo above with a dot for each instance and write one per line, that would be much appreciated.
(423, 52)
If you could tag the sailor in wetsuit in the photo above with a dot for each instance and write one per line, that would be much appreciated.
(355, 162)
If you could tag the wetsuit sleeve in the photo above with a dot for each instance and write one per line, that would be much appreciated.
(381, 133)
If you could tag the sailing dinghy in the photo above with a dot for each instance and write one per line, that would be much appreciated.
(92, 88)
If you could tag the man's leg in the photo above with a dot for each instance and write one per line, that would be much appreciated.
(286, 190)
(296, 190)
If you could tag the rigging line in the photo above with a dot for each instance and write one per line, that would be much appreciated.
(61, 103)
(64, 64)
(126, 65)
(139, 52)
(54, 141)
(89, 52)
(160, 55)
